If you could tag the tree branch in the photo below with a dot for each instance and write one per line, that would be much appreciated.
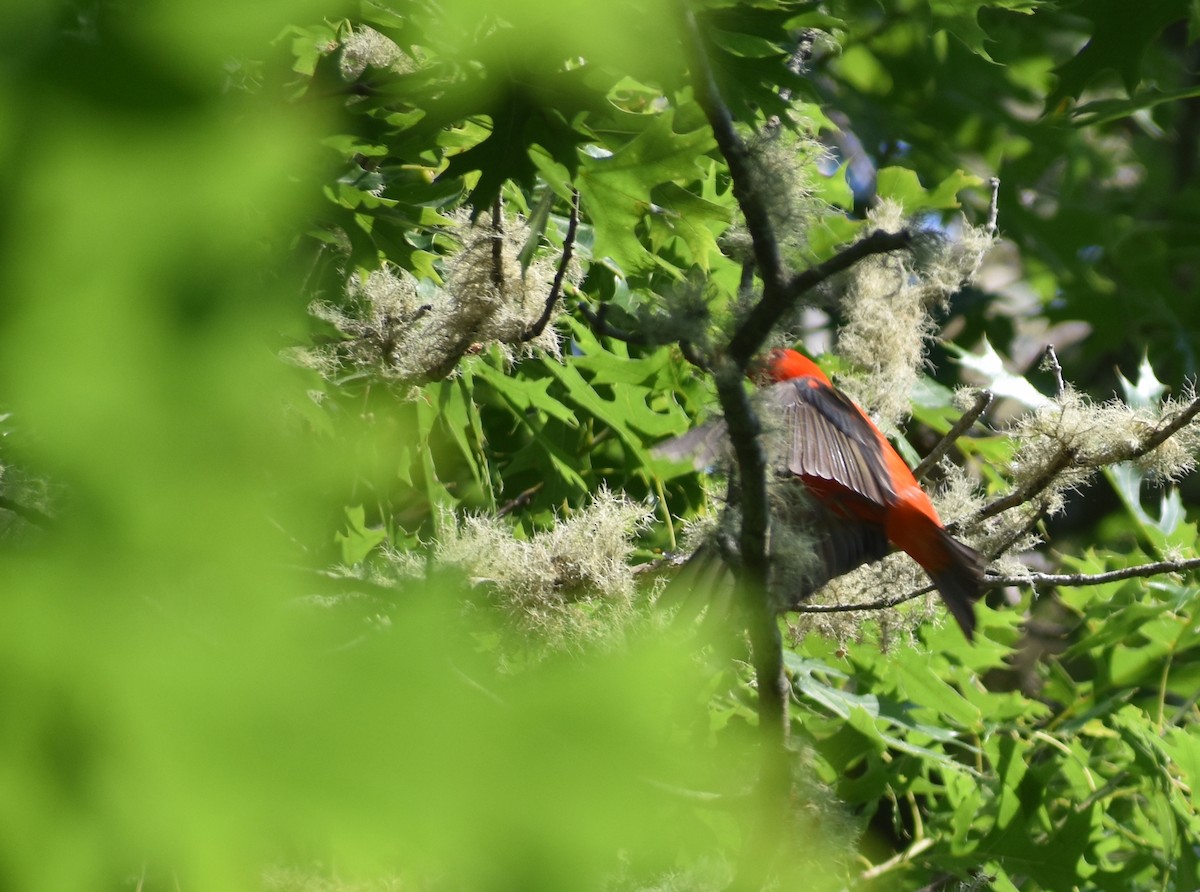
(564, 262)
(1051, 364)
(602, 327)
(737, 157)
(750, 571)
(751, 565)
(743, 427)
(982, 401)
(1077, 580)
(1168, 430)
(1023, 494)
(775, 302)
(1068, 457)
(693, 355)
(779, 292)
(498, 244)
(994, 207)
(1070, 580)
(879, 604)
(1021, 532)
(32, 515)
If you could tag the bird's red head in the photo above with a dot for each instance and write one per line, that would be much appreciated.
(783, 364)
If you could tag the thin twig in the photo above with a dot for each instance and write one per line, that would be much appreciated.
(982, 401)
(560, 276)
(994, 207)
(1020, 533)
(521, 500)
(897, 860)
(1070, 580)
(880, 604)
(602, 327)
(1050, 363)
(498, 244)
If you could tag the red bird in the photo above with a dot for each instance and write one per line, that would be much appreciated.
(866, 494)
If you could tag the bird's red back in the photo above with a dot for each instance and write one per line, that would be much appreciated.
(783, 364)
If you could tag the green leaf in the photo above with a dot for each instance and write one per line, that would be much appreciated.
(869, 713)
(961, 18)
(615, 187)
(461, 419)
(831, 233)
(920, 686)
(358, 540)
(624, 412)
(1148, 391)
(835, 189)
(524, 394)
(1120, 36)
(530, 404)
(437, 493)
(904, 186)
(677, 213)
(1105, 111)
(1127, 480)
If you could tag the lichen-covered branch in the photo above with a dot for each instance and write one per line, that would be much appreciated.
(1071, 580)
(751, 458)
(775, 302)
(1072, 458)
(1168, 430)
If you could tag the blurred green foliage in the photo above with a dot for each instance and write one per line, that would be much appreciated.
(183, 707)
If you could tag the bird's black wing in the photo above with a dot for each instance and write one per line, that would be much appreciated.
(827, 437)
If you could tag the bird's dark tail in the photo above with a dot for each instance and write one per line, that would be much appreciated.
(959, 580)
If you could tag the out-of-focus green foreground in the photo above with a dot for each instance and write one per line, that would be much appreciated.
(171, 717)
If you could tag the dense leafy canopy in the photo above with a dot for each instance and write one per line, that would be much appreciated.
(318, 547)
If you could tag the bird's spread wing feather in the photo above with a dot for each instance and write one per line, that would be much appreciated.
(703, 446)
(826, 437)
